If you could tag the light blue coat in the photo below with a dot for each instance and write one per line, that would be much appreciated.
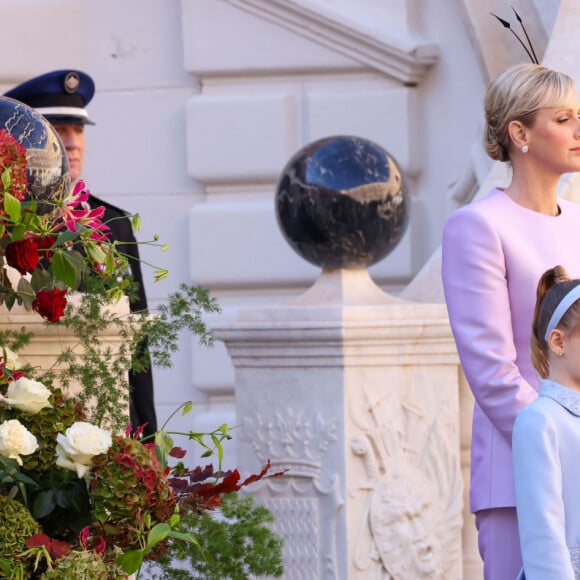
(546, 453)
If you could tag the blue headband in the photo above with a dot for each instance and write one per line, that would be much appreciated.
(561, 309)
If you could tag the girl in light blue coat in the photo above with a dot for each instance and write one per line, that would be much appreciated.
(546, 437)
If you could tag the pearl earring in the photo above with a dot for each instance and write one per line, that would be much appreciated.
(525, 149)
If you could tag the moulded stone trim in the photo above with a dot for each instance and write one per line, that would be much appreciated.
(406, 60)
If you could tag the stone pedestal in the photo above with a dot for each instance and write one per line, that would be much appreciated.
(356, 394)
(50, 340)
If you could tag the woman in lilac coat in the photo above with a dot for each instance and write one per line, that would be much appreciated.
(494, 252)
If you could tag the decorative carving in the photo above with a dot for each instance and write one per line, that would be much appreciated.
(305, 510)
(292, 440)
(412, 495)
(297, 521)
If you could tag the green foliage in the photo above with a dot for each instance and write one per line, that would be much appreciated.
(130, 493)
(102, 373)
(183, 312)
(234, 545)
(15, 339)
(78, 565)
(132, 512)
(45, 426)
(16, 526)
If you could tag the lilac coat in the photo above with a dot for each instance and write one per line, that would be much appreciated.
(493, 254)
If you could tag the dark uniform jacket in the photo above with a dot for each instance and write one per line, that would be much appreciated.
(142, 405)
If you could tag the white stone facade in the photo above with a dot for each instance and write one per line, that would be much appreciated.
(200, 103)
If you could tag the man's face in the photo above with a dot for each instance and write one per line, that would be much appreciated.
(73, 138)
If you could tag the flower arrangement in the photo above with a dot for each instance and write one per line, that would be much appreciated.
(54, 244)
(78, 500)
(80, 497)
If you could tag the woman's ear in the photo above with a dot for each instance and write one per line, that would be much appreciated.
(517, 133)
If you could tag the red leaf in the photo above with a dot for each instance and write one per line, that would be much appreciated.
(60, 549)
(253, 478)
(177, 452)
(38, 540)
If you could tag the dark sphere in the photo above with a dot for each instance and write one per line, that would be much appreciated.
(48, 168)
(342, 202)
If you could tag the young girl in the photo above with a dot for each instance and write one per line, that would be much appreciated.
(494, 252)
(546, 437)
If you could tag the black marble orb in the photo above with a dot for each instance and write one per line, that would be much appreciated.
(48, 168)
(341, 202)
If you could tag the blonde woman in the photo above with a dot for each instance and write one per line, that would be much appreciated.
(494, 252)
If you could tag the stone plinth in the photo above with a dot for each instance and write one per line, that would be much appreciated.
(356, 394)
(50, 340)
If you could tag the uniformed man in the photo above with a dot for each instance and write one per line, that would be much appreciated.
(61, 96)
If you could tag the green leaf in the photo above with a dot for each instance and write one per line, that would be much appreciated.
(11, 206)
(164, 445)
(190, 538)
(187, 408)
(18, 232)
(9, 300)
(44, 504)
(76, 259)
(40, 279)
(25, 479)
(157, 534)
(64, 268)
(6, 178)
(131, 561)
(26, 292)
(66, 236)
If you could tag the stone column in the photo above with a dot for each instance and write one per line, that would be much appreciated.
(355, 393)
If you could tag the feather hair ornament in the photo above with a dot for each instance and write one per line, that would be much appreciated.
(529, 48)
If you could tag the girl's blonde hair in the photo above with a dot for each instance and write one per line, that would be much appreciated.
(516, 95)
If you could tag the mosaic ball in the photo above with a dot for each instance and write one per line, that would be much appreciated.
(342, 202)
(48, 167)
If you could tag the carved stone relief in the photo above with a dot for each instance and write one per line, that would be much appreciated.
(305, 509)
(412, 495)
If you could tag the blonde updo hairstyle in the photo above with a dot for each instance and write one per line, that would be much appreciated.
(516, 95)
(552, 287)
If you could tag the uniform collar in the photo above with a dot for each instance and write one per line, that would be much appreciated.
(565, 396)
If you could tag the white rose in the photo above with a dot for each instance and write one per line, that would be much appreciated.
(16, 440)
(10, 358)
(82, 441)
(27, 395)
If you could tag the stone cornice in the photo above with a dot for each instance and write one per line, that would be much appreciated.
(405, 59)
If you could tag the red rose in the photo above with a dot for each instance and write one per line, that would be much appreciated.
(50, 304)
(22, 255)
(43, 244)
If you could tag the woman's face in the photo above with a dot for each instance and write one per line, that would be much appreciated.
(554, 138)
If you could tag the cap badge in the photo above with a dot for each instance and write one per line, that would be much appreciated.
(71, 82)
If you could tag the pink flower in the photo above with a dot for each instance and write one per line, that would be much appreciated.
(75, 210)
(88, 542)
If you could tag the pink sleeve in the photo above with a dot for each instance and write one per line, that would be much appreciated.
(476, 293)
